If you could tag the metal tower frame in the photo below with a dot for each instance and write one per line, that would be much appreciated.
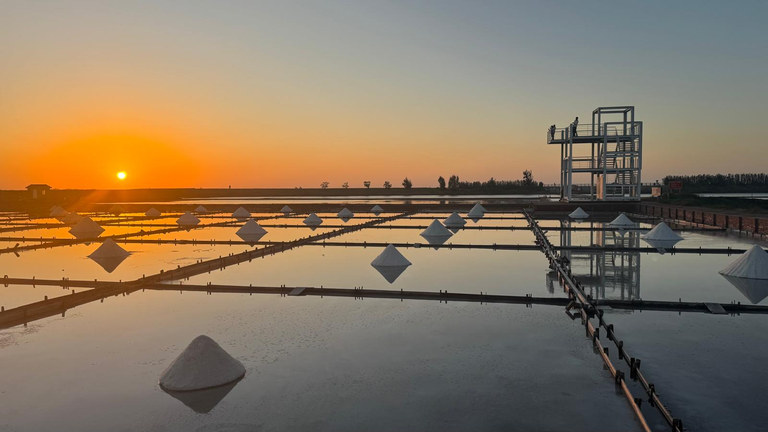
(610, 152)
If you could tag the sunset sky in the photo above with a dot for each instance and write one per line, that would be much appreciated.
(285, 94)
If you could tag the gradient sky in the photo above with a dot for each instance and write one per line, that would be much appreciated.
(284, 94)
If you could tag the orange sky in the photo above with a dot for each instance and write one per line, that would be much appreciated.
(280, 94)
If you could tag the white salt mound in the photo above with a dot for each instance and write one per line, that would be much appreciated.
(752, 264)
(241, 213)
(203, 364)
(477, 211)
(187, 219)
(286, 210)
(86, 228)
(59, 212)
(345, 213)
(153, 212)
(454, 220)
(579, 213)
(662, 232)
(313, 219)
(109, 249)
(377, 210)
(201, 209)
(251, 227)
(391, 257)
(622, 221)
(116, 209)
(436, 229)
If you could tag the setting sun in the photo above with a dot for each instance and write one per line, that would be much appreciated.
(121, 175)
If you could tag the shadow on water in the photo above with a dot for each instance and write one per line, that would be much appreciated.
(203, 401)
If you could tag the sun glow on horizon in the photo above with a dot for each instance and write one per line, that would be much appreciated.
(121, 175)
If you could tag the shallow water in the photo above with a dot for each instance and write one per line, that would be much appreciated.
(345, 364)
(312, 364)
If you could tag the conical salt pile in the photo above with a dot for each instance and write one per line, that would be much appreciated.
(662, 232)
(203, 364)
(116, 210)
(752, 264)
(377, 210)
(72, 218)
(391, 257)
(109, 249)
(312, 220)
(477, 211)
(86, 228)
(286, 210)
(622, 222)
(390, 263)
(251, 232)
(345, 213)
(59, 212)
(241, 213)
(436, 229)
(454, 221)
(251, 227)
(579, 213)
(187, 219)
(201, 209)
(153, 212)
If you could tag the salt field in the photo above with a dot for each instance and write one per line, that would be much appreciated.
(331, 340)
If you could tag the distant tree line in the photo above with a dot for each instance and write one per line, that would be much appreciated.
(718, 180)
(455, 183)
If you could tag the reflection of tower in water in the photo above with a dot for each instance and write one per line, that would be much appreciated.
(602, 272)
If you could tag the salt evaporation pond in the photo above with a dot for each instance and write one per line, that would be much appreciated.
(312, 364)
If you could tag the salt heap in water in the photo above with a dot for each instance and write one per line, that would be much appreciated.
(436, 233)
(345, 214)
(201, 209)
(390, 263)
(251, 232)
(72, 218)
(454, 221)
(749, 274)
(477, 211)
(203, 364)
(622, 222)
(377, 210)
(153, 212)
(86, 228)
(116, 209)
(579, 213)
(59, 212)
(241, 213)
(662, 237)
(286, 210)
(109, 255)
(312, 220)
(187, 219)
(752, 264)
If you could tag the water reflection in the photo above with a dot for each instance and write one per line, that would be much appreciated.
(755, 290)
(605, 273)
(203, 401)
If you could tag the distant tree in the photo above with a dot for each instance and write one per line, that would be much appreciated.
(453, 182)
(541, 184)
(325, 185)
(441, 182)
(387, 184)
(491, 183)
(367, 184)
(528, 178)
(345, 185)
(407, 183)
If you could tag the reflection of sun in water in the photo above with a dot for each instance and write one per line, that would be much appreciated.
(121, 175)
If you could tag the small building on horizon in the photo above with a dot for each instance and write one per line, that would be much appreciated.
(39, 191)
